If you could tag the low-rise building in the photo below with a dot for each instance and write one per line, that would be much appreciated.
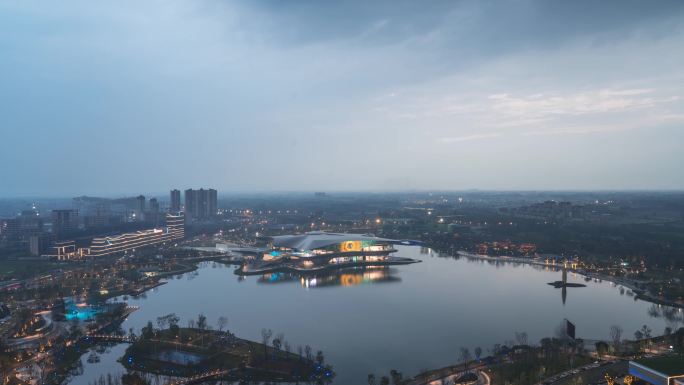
(667, 370)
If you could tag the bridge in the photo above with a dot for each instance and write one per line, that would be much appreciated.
(110, 338)
(200, 377)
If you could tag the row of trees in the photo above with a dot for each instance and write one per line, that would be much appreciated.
(279, 344)
(395, 377)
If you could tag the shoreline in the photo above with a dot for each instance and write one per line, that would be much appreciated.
(639, 293)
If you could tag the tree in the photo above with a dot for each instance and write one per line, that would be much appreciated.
(601, 348)
(161, 322)
(646, 331)
(201, 322)
(521, 338)
(288, 348)
(638, 335)
(678, 341)
(616, 336)
(478, 352)
(277, 343)
(221, 323)
(202, 326)
(148, 331)
(265, 338)
(133, 379)
(384, 380)
(75, 330)
(397, 377)
(371, 379)
(173, 319)
(464, 356)
(175, 330)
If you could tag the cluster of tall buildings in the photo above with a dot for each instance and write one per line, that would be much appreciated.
(199, 204)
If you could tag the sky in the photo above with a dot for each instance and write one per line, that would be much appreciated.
(118, 97)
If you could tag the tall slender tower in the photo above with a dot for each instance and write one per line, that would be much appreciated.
(140, 208)
(175, 201)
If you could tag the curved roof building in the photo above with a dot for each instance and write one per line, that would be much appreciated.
(323, 240)
(317, 251)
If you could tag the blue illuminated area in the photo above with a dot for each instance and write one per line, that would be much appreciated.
(275, 277)
(81, 311)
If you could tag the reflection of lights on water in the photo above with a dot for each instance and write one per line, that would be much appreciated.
(309, 282)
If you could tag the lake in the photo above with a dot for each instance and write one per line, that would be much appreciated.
(407, 318)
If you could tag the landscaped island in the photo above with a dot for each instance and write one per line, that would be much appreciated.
(216, 354)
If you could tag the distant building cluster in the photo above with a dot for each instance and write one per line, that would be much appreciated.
(550, 210)
(506, 248)
(554, 211)
(134, 221)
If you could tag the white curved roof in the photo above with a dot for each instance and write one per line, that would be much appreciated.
(318, 239)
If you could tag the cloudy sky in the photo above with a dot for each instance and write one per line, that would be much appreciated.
(113, 97)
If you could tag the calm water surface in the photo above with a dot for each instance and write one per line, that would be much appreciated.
(405, 317)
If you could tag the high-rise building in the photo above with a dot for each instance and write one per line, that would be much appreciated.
(201, 204)
(152, 215)
(122, 243)
(140, 208)
(175, 226)
(40, 243)
(154, 205)
(64, 222)
(175, 201)
(212, 203)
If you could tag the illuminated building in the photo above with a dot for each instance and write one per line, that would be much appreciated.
(175, 225)
(315, 251)
(175, 229)
(122, 243)
(64, 250)
(664, 370)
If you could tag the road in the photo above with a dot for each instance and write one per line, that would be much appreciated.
(482, 379)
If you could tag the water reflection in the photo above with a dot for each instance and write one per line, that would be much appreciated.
(520, 291)
(343, 277)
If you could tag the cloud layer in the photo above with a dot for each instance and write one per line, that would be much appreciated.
(113, 98)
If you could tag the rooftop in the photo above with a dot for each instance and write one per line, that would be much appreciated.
(317, 239)
(669, 365)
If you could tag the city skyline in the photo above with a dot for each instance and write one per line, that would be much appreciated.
(114, 99)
